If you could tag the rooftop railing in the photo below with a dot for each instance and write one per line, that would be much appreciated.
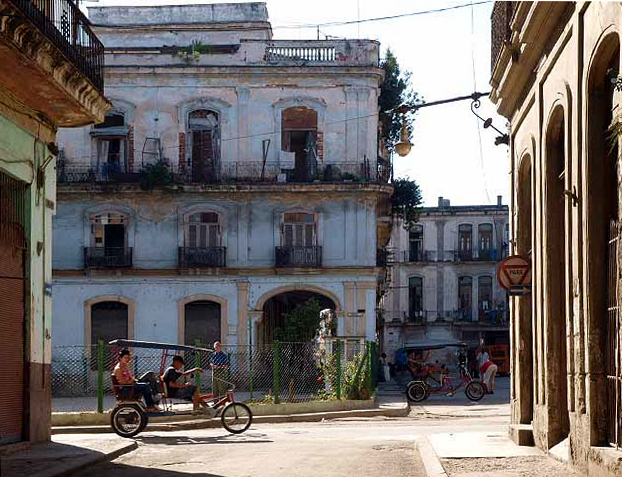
(62, 22)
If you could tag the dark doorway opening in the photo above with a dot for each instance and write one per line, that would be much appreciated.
(202, 323)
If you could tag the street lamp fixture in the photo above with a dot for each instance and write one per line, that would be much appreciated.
(404, 145)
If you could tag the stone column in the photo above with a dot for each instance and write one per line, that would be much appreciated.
(243, 312)
(351, 149)
(349, 308)
(244, 141)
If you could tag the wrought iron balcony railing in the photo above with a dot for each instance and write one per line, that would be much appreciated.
(298, 256)
(215, 257)
(81, 173)
(62, 22)
(107, 257)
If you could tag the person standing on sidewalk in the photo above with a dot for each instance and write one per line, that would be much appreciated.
(487, 370)
(220, 370)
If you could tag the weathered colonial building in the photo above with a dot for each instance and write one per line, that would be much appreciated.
(555, 76)
(50, 77)
(236, 177)
(443, 273)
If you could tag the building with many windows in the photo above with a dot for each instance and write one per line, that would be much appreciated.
(50, 77)
(443, 277)
(235, 177)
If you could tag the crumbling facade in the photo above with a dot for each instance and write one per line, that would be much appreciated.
(556, 77)
(443, 277)
(235, 177)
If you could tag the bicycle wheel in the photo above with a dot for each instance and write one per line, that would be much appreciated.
(127, 420)
(417, 391)
(236, 417)
(475, 390)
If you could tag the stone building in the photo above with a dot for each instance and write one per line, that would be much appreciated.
(50, 77)
(273, 192)
(555, 76)
(443, 277)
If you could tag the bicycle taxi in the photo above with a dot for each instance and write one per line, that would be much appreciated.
(130, 415)
(431, 379)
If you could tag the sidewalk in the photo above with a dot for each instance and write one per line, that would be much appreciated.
(65, 455)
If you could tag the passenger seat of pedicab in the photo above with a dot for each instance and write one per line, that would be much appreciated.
(130, 392)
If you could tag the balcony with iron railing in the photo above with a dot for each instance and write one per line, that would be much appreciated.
(484, 255)
(213, 257)
(298, 256)
(233, 172)
(107, 257)
(68, 29)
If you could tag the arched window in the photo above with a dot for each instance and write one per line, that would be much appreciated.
(202, 322)
(465, 298)
(484, 296)
(415, 298)
(108, 246)
(465, 242)
(299, 230)
(485, 241)
(204, 147)
(299, 138)
(415, 244)
(111, 144)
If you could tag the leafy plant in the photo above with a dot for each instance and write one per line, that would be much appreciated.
(406, 201)
(192, 52)
(347, 176)
(353, 377)
(394, 91)
(154, 175)
(300, 324)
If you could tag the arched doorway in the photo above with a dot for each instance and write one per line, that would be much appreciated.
(602, 217)
(109, 321)
(523, 330)
(555, 280)
(275, 324)
(202, 322)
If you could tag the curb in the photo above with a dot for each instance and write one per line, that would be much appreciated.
(81, 463)
(431, 462)
(215, 422)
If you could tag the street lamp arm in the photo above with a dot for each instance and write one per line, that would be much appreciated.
(407, 108)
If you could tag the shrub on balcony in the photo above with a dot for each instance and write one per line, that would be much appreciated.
(155, 175)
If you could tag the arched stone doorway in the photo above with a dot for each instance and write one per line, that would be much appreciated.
(278, 306)
(202, 322)
(602, 216)
(556, 279)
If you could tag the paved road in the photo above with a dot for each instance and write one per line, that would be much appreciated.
(375, 446)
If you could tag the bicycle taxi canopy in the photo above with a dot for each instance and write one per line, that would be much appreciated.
(431, 345)
(122, 343)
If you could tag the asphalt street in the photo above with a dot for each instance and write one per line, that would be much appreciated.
(375, 446)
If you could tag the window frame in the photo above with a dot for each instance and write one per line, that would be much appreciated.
(304, 225)
(218, 225)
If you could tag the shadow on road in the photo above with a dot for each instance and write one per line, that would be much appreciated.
(247, 438)
(122, 470)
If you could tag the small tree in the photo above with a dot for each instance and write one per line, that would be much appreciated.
(394, 90)
(406, 201)
(300, 324)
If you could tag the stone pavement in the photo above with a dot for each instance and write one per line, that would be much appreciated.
(65, 455)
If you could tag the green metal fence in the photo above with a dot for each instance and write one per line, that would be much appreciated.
(274, 373)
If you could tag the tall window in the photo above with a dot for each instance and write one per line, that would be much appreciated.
(109, 321)
(202, 322)
(204, 133)
(484, 296)
(111, 143)
(485, 241)
(298, 230)
(415, 244)
(415, 297)
(299, 136)
(465, 298)
(203, 230)
(108, 230)
(465, 241)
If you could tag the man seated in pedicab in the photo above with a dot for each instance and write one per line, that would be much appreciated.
(128, 386)
(182, 390)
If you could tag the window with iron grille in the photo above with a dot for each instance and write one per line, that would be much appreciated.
(12, 211)
(485, 241)
(484, 295)
(465, 241)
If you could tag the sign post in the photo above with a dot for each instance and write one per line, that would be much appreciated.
(514, 275)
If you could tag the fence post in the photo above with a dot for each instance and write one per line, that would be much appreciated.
(100, 376)
(369, 367)
(338, 343)
(250, 358)
(197, 364)
(276, 372)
